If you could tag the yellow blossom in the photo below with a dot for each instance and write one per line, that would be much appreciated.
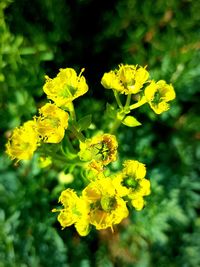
(23, 142)
(52, 123)
(133, 178)
(75, 211)
(131, 183)
(128, 79)
(134, 169)
(65, 87)
(110, 80)
(106, 207)
(158, 94)
(100, 150)
(135, 190)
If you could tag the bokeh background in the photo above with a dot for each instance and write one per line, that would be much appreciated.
(41, 36)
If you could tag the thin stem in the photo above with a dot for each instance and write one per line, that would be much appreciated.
(119, 103)
(69, 144)
(115, 126)
(138, 104)
(59, 157)
(54, 155)
(123, 111)
(128, 101)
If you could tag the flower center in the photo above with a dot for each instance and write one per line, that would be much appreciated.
(108, 203)
(55, 122)
(130, 182)
(68, 91)
(157, 98)
(102, 151)
(25, 145)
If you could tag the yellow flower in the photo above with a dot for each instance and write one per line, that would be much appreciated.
(131, 183)
(129, 79)
(75, 211)
(110, 80)
(65, 87)
(133, 178)
(135, 190)
(134, 169)
(52, 123)
(136, 195)
(23, 142)
(158, 95)
(100, 150)
(106, 207)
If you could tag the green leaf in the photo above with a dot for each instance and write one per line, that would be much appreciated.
(84, 122)
(28, 51)
(131, 121)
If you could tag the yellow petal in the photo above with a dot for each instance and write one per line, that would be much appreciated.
(82, 227)
(138, 203)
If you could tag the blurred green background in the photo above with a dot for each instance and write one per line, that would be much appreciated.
(38, 38)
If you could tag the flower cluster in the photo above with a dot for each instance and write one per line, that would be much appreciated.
(103, 202)
(50, 125)
(106, 197)
(131, 79)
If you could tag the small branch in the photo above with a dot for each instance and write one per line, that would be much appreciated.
(138, 104)
(119, 103)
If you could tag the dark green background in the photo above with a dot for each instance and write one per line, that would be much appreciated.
(38, 38)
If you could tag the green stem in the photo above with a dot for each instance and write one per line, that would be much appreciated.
(123, 111)
(115, 126)
(69, 144)
(119, 103)
(59, 157)
(54, 155)
(138, 104)
(128, 101)
(77, 163)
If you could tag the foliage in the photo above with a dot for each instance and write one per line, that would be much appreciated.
(41, 38)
